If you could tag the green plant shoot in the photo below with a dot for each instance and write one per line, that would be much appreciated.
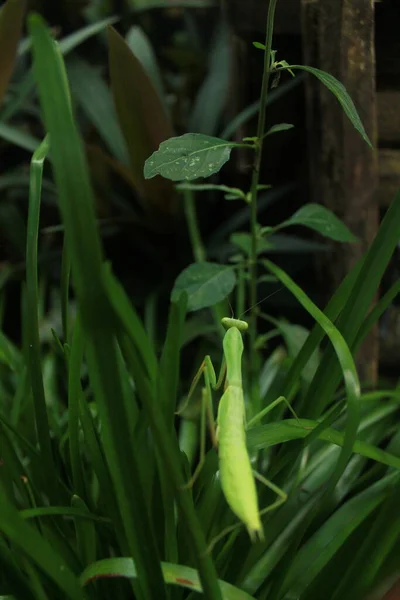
(236, 473)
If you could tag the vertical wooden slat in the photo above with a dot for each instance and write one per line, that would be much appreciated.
(338, 37)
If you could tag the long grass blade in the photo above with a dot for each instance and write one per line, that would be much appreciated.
(348, 369)
(32, 302)
(39, 551)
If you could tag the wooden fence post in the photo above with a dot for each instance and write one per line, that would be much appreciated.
(338, 37)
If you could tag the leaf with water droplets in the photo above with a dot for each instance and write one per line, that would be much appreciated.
(320, 219)
(188, 157)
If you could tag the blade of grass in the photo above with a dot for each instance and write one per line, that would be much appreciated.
(85, 533)
(26, 86)
(64, 290)
(265, 436)
(332, 311)
(74, 391)
(331, 536)
(167, 392)
(32, 302)
(168, 451)
(14, 579)
(357, 306)
(347, 365)
(19, 138)
(375, 314)
(379, 543)
(38, 550)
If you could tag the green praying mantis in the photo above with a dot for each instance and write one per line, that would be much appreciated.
(229, 436)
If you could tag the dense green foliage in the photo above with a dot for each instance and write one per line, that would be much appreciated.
(94, 458)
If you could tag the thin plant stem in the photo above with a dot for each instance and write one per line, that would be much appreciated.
(254, 193)
(198, 249)
(193, 226)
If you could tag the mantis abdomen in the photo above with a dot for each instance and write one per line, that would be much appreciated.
(236, 473)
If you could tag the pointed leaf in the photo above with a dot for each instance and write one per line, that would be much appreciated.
(319, 218)
(11, 16)
(188, 156)
(341, 94)
(142, 118)
(205, 283)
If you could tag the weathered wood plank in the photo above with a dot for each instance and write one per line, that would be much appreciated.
(388, 117)
(338, 37)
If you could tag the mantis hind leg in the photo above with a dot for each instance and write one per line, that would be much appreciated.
(268, 409)
(282, 497)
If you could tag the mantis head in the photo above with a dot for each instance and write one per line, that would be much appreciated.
(228, 323)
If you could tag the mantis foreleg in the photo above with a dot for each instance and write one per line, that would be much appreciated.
(211, 383)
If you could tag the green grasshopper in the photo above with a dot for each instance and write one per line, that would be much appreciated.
(236, 473)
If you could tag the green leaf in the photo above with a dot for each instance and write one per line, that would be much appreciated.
(341, 94)
(259, 45)
(11, 18)
(181, 575)
(188, 156)
(205, 283)
(322, 220)
(279, 127)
